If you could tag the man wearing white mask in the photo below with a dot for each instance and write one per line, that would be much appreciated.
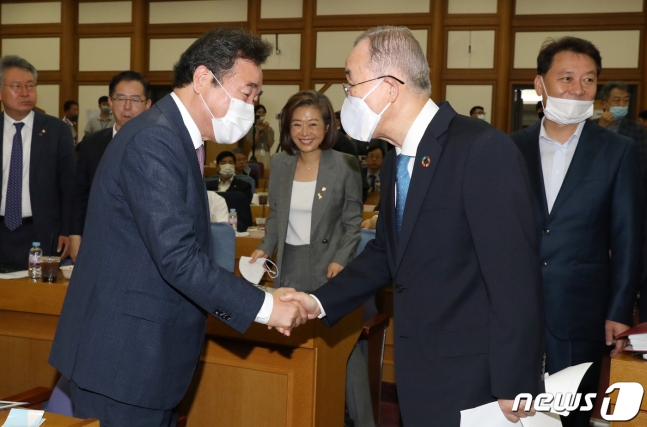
(134, 317)
(589, 210)
(455, 236)
(227, 181)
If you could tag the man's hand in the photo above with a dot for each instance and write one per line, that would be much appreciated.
(286, 315)
(306, 301)
(333, 270)
(611, 330)
(513, 416)
(75, 244)
(606, 119)
(63, 246)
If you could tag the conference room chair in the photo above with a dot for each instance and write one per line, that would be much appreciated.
(374, 335)
(248, 179)
(237, 200)
(258, 167)
(223, 245)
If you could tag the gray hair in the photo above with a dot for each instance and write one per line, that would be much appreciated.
(15, 61)
(395, 48)
(605, 91)
(239, 150)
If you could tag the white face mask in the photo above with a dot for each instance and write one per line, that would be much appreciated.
(253, 273)
(481, 116)
(236, 123)
(358, 120)
(227, 171)
(566, 111)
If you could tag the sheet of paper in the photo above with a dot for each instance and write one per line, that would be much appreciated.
(488, 415)
(14, 275)
(24, 418)
(566, 381)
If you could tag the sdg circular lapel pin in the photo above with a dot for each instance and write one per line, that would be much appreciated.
(426, 161)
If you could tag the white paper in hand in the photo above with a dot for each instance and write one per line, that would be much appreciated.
(253, 273)
(565, 382)
(489, 415)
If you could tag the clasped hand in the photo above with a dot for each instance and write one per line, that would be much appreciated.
(291, 309)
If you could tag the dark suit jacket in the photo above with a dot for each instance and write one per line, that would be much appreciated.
(133, 320)
(465, 271)
(600, 208)
(90, 150)
(236, 185)
(51, 177)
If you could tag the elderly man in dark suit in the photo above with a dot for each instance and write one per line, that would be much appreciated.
(37, 159)
(134, 317)
(456, 238)
(589, 212)
(129, 96)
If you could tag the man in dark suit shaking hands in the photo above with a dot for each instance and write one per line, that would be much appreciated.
(455, 236)
(133, 322)
(589, 210)
(37, 159)
(129, 96)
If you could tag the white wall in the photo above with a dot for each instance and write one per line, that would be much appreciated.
(105, 12)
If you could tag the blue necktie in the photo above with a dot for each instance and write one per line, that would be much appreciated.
(402, 180)
(13, 203)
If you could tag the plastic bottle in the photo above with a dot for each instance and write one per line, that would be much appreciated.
(233, 219)
(34, 261)
(377, 184)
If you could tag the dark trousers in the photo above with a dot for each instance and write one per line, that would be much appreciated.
(112, 413)
(15, 245)
(562, 354)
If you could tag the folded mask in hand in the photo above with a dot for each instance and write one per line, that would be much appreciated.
(254, 272)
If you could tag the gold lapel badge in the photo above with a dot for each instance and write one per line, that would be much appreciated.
(320, 196)
(42, 132)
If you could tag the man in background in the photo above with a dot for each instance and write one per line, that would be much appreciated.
(371, 172)
(103, 121)
(477, 112)
(71, 116)
(642, 119)
(589, 204)
(241, 166)
(37, 159)
(226, 178)
(129, 96)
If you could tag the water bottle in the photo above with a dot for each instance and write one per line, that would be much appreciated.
(233, 219)
(34, 261)
(377, 184)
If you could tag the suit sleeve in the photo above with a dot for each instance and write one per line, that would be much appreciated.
(499, 212)
(271, 238)
(363, 276)
(351, 215)
(81, 191)
(627, 220)
(155, 175)
(66, 175)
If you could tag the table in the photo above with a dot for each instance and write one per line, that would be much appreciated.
(55, 420)
(625, 367)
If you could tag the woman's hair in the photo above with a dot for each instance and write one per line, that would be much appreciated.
(307, 98)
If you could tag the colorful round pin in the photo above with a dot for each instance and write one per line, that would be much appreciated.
(426, 161)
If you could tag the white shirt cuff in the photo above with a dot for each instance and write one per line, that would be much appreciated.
(323, 313)
(265, 312)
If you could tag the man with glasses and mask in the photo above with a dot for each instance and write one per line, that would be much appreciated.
(129, 96)
(589, 211)
(133, 321)
(37, 159)
(455, 236)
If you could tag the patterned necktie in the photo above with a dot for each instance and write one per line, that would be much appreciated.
(13, 204)
(371, 183)
(200, 152)
(402, 180)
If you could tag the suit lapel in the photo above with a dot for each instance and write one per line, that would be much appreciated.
(286, 179)
(38, 140)
(423, 172)
(587, 148)
(1, 150)
(387, 203)
(530, 150)
(326, 178)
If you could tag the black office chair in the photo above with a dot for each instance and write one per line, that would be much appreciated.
(237, 200)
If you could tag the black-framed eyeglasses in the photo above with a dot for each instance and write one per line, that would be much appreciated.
(347, 86)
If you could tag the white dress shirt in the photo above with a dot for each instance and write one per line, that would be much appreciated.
(263, 315)
(555, 160)
(7, 143)
(224, 185)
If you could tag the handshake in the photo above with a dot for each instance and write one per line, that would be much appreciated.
(291, 309)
